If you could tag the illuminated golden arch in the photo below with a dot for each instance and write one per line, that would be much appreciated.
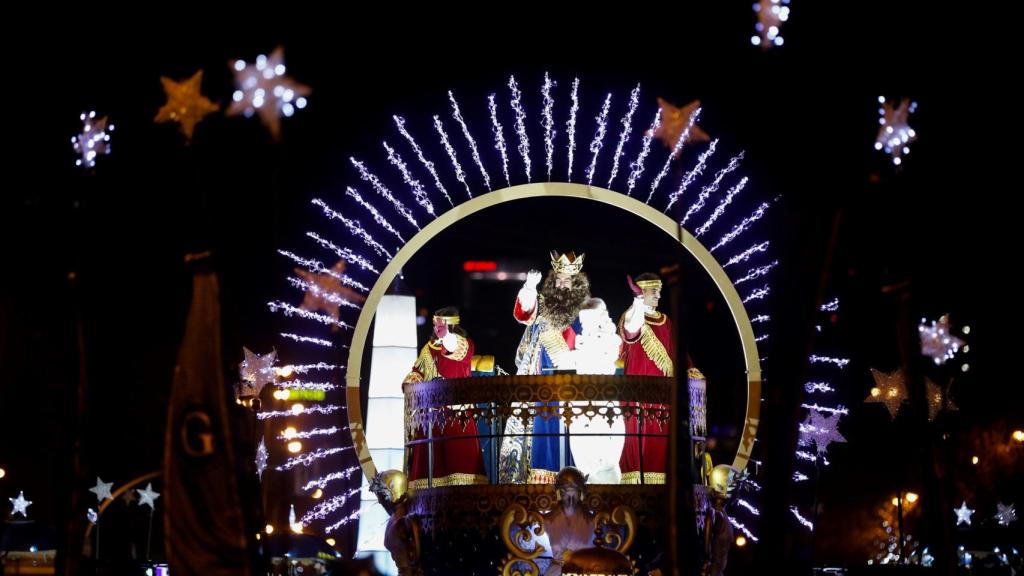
(565, 190)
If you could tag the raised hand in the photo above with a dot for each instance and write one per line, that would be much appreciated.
(533, 278)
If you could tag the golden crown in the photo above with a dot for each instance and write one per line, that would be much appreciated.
(646, 284)
(568, 263)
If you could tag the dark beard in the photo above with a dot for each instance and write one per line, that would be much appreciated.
(560, 306)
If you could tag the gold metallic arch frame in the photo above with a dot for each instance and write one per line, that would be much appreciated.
(563, 190)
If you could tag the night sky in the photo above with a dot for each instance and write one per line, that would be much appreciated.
(846, 223)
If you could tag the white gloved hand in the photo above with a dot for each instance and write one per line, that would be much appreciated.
(634, 316)
(528, 293)
(533, 278)
(450, 341)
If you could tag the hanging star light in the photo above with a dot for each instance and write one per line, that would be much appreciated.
(1005, 514)
(675, 120)
(938, 400)
(963, 514)
(129, 497)
(93, 140)
(894, 134)
(324, 291)
(148, 497)
(821, 430)
(262, 88)
(20, 504)
(890, 389)
(261, 458)
(185, 104)
(937, 342)
(256, 371)
(771, 14)
(827, 431)
(102, 490)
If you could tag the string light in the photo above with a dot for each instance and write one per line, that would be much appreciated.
(457, 115)
(571, 124)
(637, 167)
(310, 457)
(377, 216)
(840, 362)
(742, 226)
(418, 192)
(712, 187)
(598, 142)
(325, 508)
(746, 254)
(355, 228)
(460, 174)
(317, 409)
(627, 124)
(692, 175)
(321, 482)
(345, 254)
(675, 152)
(804, 521)
(289, 310)
(400, 124)
(499, 137)
(384, 192)
(549, 121)
(524, 140)
(307, 339)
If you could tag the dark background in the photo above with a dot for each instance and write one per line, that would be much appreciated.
(805, 114)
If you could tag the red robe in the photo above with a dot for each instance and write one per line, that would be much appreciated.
(637, 362)
(458, 461)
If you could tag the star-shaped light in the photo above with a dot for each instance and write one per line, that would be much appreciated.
(262, 88)
(890, 389)
(894, 134)
(1005, 514)
(129, 497)
(93, 140)
(102, 490)
(963, 514)
(937, 342)
(148, 497)
(92, 516)
(261, 458)
(185, 104)
(20, 504)
(674, 121)
(257, 371)
(326, 291)
(821, 430)
(937, 400)
(771, 14)
(826, 430)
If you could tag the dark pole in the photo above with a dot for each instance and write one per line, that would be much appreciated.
(934, 502)
(685, 551)
(74, 529)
